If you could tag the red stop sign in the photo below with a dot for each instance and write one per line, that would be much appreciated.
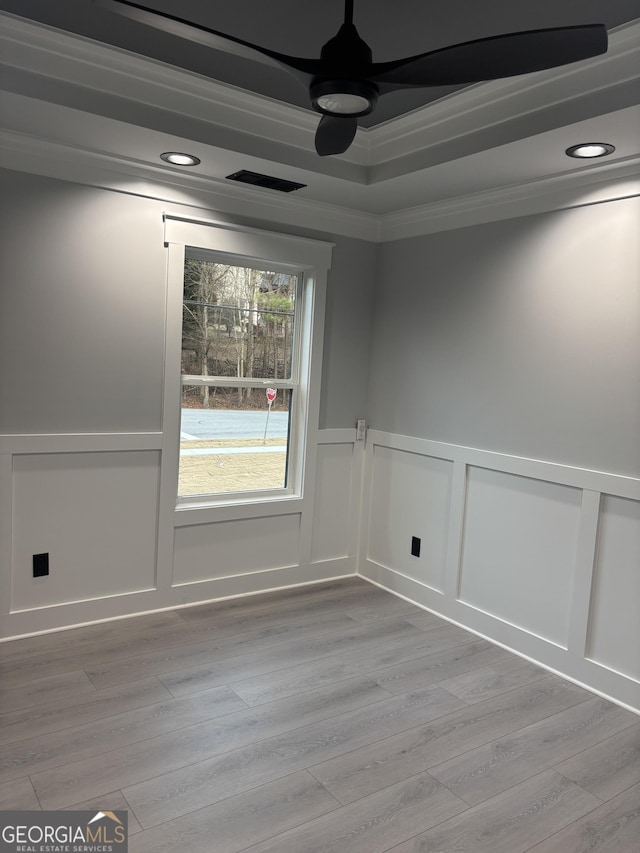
(271, 394)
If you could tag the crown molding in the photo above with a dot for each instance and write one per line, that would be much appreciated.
(591, 185)
(52, 54)
(40, 156)
(489, 105)
(56, 55)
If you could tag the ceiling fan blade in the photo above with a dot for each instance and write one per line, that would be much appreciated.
(334, 135)
(493, 58)
(174, 25)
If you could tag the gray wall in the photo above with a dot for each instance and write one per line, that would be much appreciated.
(82, 288)
(521, 337)
(347, 339)
(82, 309)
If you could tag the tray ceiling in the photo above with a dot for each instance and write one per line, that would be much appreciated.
(394, 30)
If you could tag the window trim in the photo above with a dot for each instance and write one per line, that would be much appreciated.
(310, 259)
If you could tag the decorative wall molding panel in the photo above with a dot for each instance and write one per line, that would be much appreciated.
(538, 557)
(62, 493)
(336, 488)
(611, 640)
(70, 505)
(411, 493)
(224, 549)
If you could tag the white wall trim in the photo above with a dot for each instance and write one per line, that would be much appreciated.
(456, 529)
(590, 185)
(40, 156)
(583, 573)
(81, 442)
(601, 680)
(52, 53)
(491, 104)
(62, 617)
(538, 469)
(376, 156)
(559, 192)
(6, 531)
(193, 515)
(170, 458)
(345, 435)
(560, 652)
(629, 706)
(274, 246)
(167, 593)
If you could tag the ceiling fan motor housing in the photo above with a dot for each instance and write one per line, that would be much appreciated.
(344, 90)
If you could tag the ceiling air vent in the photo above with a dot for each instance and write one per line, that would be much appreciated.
(258, 180)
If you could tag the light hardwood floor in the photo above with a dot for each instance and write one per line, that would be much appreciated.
(327, 719)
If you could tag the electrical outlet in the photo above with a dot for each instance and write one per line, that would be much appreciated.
(415, 546)
(361, 430)
(40, 565)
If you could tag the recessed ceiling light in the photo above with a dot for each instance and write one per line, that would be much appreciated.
(590, 149)
(179, 159)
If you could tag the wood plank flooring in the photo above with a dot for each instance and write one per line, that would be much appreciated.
(326, 719)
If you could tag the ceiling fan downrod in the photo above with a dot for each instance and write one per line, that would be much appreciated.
(345, 91)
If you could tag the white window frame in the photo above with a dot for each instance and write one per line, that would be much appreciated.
(310, 260)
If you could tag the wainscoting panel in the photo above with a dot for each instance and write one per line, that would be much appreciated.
(333, 517)
(222, 549)
(538, 557)
(520, 540)
(410, 497)
(118, 546)
(95, 514)
(614, 627)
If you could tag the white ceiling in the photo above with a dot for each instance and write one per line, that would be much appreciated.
(73, 100)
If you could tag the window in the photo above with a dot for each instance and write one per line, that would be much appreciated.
(244, 344)
(240, 368)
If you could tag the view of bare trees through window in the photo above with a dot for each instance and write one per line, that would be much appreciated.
(237, 343)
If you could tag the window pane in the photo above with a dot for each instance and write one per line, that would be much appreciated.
(237, 321)
(231, 440)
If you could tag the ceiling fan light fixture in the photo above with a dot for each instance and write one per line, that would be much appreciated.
(343, 97)
(177, 158)
(588, 150)
(342, 103)
(344, 83)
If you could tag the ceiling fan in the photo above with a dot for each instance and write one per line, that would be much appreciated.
(345, 83)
